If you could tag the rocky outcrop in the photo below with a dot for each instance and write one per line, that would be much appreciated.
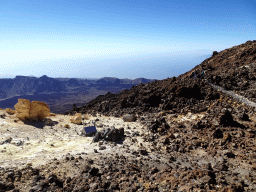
(34, 110)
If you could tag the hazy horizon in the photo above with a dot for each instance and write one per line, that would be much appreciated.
(124, 39)
(159, 66)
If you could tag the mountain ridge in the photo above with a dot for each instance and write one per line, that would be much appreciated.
(59, 92)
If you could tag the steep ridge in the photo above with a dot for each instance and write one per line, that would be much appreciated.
(232, 69)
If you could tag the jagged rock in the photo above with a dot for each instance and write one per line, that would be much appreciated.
(10, 111)
(77, 120)
(94, 171)
(244, 117)
(114, 134)
(226, 118)
(159, 125)
(34, 110)
(129, 118)
(218, 134)
(214, 53)
(143, 151)
(6, 187)
(102, 147)
(48, 121)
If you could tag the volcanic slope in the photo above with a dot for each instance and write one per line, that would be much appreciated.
(225, 130)
(232, 69)
(188, 136)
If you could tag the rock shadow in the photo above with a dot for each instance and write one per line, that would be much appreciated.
(40, 124)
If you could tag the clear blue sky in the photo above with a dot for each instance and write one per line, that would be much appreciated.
(94, 38)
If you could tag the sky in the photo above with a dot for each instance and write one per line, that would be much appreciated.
(126, 39)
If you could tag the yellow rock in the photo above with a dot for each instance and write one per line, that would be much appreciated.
(39, 110)
(34, 110)
(10, 111)
(77, 120)
(22, 108)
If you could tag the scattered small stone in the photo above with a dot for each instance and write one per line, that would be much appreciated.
(102, 147)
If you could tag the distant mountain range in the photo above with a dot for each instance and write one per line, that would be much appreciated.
(60, 93)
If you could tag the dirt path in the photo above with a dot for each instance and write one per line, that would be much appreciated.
(234, 95)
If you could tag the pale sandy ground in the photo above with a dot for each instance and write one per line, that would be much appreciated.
(42, 145)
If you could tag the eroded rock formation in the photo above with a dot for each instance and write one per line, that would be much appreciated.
(34, 110)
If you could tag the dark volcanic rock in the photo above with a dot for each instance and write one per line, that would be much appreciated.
(110, 134)
(129, 118)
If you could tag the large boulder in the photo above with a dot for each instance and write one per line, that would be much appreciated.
(109, 134)
(34, 110)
